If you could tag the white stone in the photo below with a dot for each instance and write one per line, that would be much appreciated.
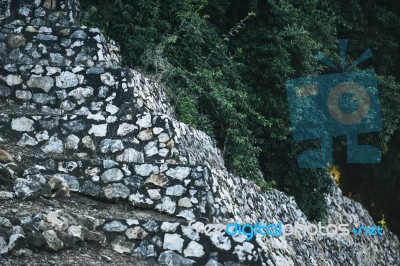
(107, 79)
(132, 222)
(163, 137)
(194, 249)
(114, 226)
(54, 145)
(167, 205)
(125, 129)
(154, 194)
(111, 145)
(163, 152)
(55, 222)
(112, 109)
(92, 171)
(4, 195)
(176, 190)
(13, 80)
(22, 124)
(173, 242)
(169, 227)
(42, 135)
(138, 199)
(185, 202)
(136, 233)
(144, 121)
(146, 169)
(121, 246)
(23, 95)
(187, 214)
(221, 242)
(179, 172)
(80, 94)
(157, 130)
(116, 190)
(190, 233)
(96, 117)
(45, 83)
(151, 149)
(112, 175)
(98, 130)
(67, 80)
(111, 119)
(27, 140)
(87, 142)
(131, 155)
(72, 142)
(76, 232)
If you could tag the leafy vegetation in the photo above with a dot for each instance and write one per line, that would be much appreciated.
(226, 62)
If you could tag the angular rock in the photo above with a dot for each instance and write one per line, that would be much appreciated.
(72, 142)
(3, 246)
(52, 241)
(131, 155)
(76, 232)
(98, 130)
(194, 249)
(22, 124)
(27, 140)
(45, 83)
(146, 169)
(179, 172)
(167, 205)
(16, 241)
(121, 246)
(136, 233)
(112, 175)
(169, 227)
(67, 80)
(114, 226)
(170, 258)
(177, 190)
(133, 181)
(144, 251)
(158, 179)
(54, 145)
(117, 190)
(111, 145)
(74, 126)
(25, 189)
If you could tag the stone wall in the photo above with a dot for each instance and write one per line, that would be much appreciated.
(85, 133)
(40, 12)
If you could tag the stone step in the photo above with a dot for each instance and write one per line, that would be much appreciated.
(178, 190)
(57, 46)
(61, 90)
(60, 224)
(128, 137)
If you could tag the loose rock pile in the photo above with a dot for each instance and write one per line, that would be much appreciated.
(85, 132)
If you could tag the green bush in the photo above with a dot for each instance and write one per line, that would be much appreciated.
(226, 70)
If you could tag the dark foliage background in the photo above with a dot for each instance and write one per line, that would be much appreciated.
(226, 63)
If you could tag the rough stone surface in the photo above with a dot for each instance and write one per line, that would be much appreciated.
(101, 159)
